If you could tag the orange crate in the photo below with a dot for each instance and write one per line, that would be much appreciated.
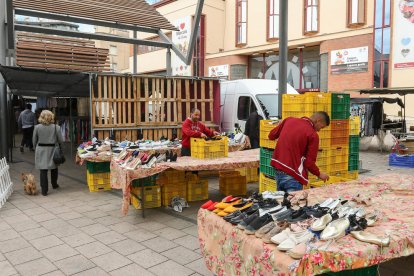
(267, 184)
(152, 195)
(197, 190)
(233, 185)
(339, 129)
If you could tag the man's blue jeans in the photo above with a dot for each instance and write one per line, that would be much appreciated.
(287, 183)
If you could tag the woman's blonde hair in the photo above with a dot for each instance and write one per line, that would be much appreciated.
(46, 117)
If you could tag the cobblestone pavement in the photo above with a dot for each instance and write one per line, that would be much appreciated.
(75, 232)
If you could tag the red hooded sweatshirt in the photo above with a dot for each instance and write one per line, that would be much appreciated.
(296, 149)
(193, 130)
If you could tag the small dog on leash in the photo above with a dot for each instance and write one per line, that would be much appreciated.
(29, 183)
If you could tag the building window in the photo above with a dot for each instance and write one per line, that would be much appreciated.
(114, 67)
(113, 50)
(356, 13)
(382, 42)
(273, 19)
(311, 22)
(241, 22)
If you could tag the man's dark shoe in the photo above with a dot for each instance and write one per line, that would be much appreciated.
(56, 186)
(243, 224)
(257, 224)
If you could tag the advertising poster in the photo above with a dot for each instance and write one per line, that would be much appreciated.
(218, 71)
(347, 61)
(403, 30)
(181, 39)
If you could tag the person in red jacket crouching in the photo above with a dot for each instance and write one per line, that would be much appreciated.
(193, 128)
(296, 150)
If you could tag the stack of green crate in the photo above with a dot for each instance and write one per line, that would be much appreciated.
(353, 161)
(340, 106)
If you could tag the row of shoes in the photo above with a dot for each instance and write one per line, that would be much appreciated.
(292, 229)
(131, 160)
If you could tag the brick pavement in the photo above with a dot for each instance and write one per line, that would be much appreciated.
(75, 232)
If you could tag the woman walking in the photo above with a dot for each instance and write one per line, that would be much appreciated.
(45, 136)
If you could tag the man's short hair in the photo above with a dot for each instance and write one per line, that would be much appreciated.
(29, 106)
(324, 116)
(194, 109)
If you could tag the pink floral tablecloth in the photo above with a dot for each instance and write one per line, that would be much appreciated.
(121, 178)
(228, 251)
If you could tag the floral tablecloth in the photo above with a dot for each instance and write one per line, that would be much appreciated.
(228, 251)
(121, 178)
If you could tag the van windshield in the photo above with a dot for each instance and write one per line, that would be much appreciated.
(269, 104)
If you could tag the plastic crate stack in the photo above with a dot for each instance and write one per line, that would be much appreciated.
(333, 155)
(203, 149)
(186, 185)
(152, 193)
(98, 176)
(252, 175)
(267, 172)
(353, 160)
(232, 183)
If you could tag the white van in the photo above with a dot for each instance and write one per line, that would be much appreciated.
(239, 98)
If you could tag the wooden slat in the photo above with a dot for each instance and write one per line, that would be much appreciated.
(195, 97)
(168, 103)
(124, 119)
(99, 104)
(177, 91)
(110, 101)
(119, 104)
(203, 103)
(93, 119)
(129, 92)
(146, 99)
(139, 116)
(211, 103)
(187, 98)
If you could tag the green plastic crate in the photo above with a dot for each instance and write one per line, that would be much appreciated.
(98, 167)
(353, 162)
(146, 182)
(340, 106)
(265, 158)
(353, 144)
(366, 271)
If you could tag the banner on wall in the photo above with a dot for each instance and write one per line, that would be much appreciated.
(347, 61)
(403, 32)
(218, 71)
(181, 39)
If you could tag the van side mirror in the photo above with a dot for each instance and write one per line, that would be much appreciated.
(236, 125)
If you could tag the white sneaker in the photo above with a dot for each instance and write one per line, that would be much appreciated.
(281, 237)
(294, 240)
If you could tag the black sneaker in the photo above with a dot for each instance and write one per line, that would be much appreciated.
(232, 215)
(243, 224)
(238, 219)
(282, 215)
(257, 224)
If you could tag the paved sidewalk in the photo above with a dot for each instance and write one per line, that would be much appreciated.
(75, 232)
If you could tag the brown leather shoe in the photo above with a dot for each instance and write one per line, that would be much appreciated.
(280, 226)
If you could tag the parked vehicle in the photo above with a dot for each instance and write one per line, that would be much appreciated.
(239, 98)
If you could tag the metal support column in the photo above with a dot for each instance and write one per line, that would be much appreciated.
(3, 89)
(135, 55)
(283, 51)
(168, 63)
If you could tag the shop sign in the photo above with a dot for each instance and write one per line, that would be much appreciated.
(219, 71)
(348, 61)
(403, 32)
(181, 40)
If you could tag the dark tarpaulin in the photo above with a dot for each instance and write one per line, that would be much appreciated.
(377, 100)
(51, 83)
(402, 91)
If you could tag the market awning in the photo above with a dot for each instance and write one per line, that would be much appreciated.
(377, 100)
(37, 82)
(387, 91)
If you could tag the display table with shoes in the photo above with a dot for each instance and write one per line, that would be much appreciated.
(121, 178)
(229, 250)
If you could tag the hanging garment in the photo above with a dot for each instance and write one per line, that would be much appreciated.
(83, 106)
(51, 103)
(41, 102)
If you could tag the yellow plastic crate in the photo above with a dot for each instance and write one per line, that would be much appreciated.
(353, 175)
(251, 174)
(354, 125)
(152, 195)
(229, 173)
(316, 101)
(168, 191)
(203, 149)
(98, 181)
(233, 185)
(171, 177)
(332, 180)
(267, 184)
(339, 155)
(189, 176)
(266, 126)
(197, 190)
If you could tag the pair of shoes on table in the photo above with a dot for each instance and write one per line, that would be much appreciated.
(287, 239)
(211, 205)
(259, 219)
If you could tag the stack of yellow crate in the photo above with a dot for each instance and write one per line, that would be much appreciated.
(149, 189)
(251, 174)
(267, 146)
(173, 183)
(232, 183)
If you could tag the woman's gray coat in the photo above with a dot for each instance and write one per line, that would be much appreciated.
(46, 134)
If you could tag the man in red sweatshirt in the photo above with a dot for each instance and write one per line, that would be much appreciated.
(296, 150)
(193, 128)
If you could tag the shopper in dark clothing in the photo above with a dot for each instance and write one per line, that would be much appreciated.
(252, 129)
(27, 121)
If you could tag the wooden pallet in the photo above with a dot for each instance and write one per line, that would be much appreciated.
(125, 106)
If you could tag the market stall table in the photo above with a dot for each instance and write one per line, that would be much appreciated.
(229, 251)
(121, 178)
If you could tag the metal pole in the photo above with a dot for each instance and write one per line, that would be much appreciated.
(3, 89)
(283, 51)
(135, 53)
(169, 69)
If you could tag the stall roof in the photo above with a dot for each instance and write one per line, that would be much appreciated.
(387, 91)
(377, 100)
(51, 83)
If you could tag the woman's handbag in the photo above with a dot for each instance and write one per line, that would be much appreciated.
(58, 157)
